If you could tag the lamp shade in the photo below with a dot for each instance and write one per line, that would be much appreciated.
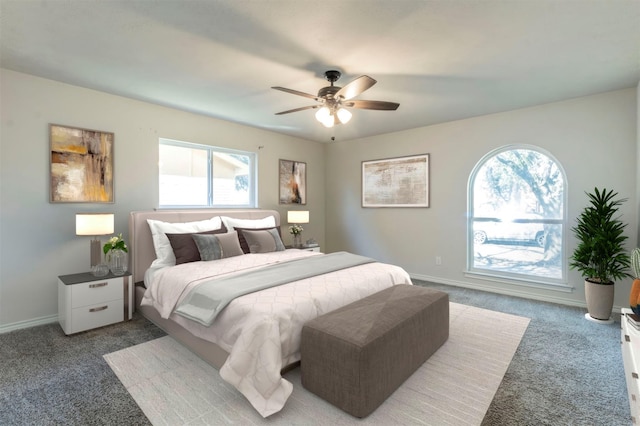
(298, 216)
(344, 115)
(94, 223)
(329, 121)
(323, 114)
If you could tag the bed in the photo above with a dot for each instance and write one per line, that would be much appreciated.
(257, 336)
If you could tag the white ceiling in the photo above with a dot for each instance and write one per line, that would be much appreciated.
(441, 60)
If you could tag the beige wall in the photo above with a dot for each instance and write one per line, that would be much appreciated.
(594, 138)
(37, 239)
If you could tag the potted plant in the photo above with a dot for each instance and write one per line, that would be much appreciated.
(600, 255)
(296, 231)
(116, 253)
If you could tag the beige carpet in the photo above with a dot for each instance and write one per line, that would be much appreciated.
(455, 386)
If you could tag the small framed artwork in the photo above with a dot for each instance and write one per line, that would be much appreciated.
(293, 182)
(81, 169)
(396, 182)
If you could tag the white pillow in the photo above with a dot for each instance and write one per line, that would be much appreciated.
(231, 223)
(159, 229)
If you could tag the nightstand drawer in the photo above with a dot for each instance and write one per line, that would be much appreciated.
(101, 314)
(96, 291)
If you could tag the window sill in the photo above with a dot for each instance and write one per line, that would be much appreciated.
(561, 287)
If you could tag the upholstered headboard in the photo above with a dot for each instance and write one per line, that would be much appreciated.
(141, 250)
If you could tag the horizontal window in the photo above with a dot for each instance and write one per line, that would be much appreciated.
(193, 175)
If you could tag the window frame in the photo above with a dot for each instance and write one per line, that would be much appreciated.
(559, 284)
(211, 150)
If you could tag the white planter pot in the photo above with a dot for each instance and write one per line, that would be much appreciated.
(599, 299)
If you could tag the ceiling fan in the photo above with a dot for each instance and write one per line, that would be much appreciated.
(333, 100)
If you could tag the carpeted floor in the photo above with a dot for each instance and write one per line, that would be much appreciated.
(455, 386)
(48, 378)
(566, 371)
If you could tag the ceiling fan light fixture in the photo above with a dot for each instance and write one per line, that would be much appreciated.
(323, 114)
(329, 121)
(344, 115)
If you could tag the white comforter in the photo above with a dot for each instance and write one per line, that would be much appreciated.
(261, 331)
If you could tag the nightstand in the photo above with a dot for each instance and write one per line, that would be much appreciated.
(306, 248)
(86, 301)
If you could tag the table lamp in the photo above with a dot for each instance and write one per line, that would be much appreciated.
(94, 224)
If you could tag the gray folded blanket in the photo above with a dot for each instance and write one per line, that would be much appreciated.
(207, 300)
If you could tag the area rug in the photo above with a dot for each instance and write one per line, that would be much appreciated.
(455, 386)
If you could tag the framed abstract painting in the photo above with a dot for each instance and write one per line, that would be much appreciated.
(81, 165)
(396, 182)
(293, 182)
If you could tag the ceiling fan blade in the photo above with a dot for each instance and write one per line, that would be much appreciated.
(295, 92)
(379, 105)
(298, 109)
(356, 87)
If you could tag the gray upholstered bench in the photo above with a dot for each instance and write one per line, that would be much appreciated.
(358, 355)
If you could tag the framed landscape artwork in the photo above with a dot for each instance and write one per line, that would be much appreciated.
(293, 182)
(81, 165)
(396, 182)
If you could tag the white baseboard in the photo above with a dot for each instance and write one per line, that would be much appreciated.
(518, 292)
(28, 323)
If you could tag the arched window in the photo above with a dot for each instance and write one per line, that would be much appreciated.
(517, 221)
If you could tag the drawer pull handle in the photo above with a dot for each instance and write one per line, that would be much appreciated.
(101, 308)
(98, 285)
(634, 375)
(626, 338)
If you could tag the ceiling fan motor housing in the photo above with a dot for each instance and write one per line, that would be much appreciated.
(328, 92)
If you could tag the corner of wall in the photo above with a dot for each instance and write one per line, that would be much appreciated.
(638, 160)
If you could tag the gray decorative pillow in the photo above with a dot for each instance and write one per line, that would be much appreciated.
(243, 240)
(219, 246)
(185, 249)
(265, 241)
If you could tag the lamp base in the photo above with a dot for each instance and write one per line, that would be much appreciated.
(96, 253)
